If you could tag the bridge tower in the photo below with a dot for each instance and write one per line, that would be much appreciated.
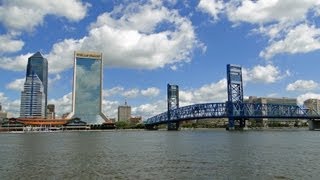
(173, 103)
(235, 96)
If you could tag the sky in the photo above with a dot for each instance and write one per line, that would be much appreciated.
(147, 44)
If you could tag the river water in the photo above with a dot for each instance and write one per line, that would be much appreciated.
(191, 154)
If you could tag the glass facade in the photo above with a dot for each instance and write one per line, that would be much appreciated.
(87, 92)
(39, 65)
(32, 98)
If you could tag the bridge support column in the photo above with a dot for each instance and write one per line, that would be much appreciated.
(151, 127)
(230, 124)
(235, 97)
(314, 124)
(311, 124)
(173, 126)
(237, 124)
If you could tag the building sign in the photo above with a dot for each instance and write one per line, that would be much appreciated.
(88, 55)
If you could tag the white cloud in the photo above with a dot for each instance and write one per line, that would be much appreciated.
(284, 22)
(302, 85)
(110, 108)
(113, 91)
(26, 14)
(132, 93)
(62, 105)
(2, 97)
(130, 37)
(10, 106)
(16, 84)
(303, 97)
(8, 44)
(214, 92)
(262, 74)
(150, 92)
(269, 11)
(18, 63)
(149, 109)
(213, 7)
(302, 39)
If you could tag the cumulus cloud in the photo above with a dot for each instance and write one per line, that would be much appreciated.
(263, 74)
(18, 63)
(303, 97)
(149, 109)
(132, 93)
(16, 84)
(286, 23)
(26, 14)
(150, 92)
(213, 7)
(130, 37)
(10, 106)
(110, 108)
(302, 85)
(113, 91)
(214, 92)
(266, 11)
(302, 39)
(8, 44)
(62, 105)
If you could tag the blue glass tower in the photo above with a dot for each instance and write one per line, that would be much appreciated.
(38, 65)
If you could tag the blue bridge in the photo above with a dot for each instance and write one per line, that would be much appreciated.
(235, 109)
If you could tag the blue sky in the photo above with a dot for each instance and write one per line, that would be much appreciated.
(147, 44)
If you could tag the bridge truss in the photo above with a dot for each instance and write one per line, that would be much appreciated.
(235, 109)
(220, 110)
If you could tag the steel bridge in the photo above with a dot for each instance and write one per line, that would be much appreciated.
(234, 109)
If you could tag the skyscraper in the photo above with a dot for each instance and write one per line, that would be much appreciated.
(87, 88)
(34, 95)
(39, 65)
(33, 98)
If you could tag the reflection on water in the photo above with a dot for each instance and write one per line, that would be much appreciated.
(200, 154)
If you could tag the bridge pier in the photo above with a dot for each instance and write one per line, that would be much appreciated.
(237, 124)
(314, 124)
(173, 126)
(151, 127)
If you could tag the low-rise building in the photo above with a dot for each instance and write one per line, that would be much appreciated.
(136, 120)
(270, 100)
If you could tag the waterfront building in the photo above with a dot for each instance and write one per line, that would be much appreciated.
(270, 100)
(33, 98)
(38, 65)
(3, 115)
(313, 106)
(136, 120)
(51, 111)
(87, 88)
(124, 112)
